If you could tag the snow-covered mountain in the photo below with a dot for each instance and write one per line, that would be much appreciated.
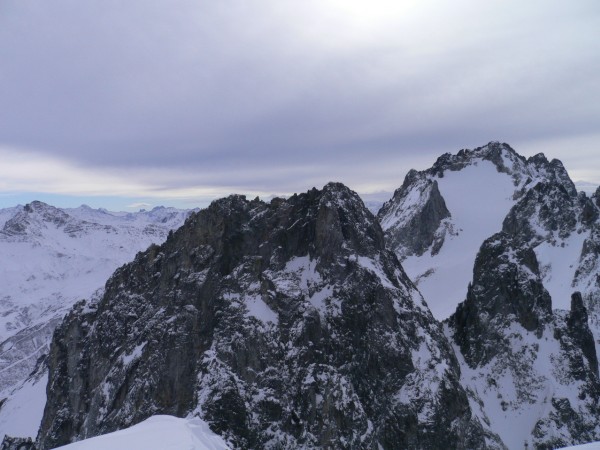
(437, 220)
(283, 325)
(514, 239)
(51, 258)
(292, 323)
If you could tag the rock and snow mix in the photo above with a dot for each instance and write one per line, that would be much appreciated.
(51, 258)
(292, 324)
(284, 325)
(531, 372)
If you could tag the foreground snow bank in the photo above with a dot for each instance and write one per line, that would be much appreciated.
(590, 446)
(156, 433)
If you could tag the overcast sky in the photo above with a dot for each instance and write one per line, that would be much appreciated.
(119, 103)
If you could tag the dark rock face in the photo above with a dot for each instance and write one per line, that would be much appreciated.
(418, 232)
(506, 288)
(506, 330)
(577, 326)
(10, 443)
(547, 206)
(284, 325)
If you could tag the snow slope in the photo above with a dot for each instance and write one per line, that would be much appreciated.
(478, 197)
(21, 414)
(156, 433)
(51, 258)
(479, 187)
(590, 446)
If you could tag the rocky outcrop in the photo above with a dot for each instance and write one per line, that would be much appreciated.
(506, 289)
(413, 219)
(284, 325)
(11, 443)
(522, 358)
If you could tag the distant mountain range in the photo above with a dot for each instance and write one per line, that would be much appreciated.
(464, 314)
(52, 258)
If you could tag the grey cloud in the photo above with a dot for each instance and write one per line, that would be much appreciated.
(233, 93)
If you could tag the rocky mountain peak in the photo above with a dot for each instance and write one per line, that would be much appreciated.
(501, 155)
(33, 217)
(284, 325)
(506, 288)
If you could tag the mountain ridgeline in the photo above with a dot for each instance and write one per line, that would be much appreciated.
(285, 325)
(293, 323)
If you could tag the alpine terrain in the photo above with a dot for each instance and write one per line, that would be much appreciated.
(283, 325)
(51, 258)
(506, 250)
(465, 314)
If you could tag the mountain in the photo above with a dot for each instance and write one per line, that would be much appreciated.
(437, 220)
(509, 249)
(293, 323)
(283, 325)
(53, 258)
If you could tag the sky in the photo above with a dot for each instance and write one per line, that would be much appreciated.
(153, 102)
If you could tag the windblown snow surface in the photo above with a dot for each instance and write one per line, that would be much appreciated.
(156, 433)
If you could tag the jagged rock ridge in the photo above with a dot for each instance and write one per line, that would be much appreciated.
(532, 371)
(284, 325)
(438, 219)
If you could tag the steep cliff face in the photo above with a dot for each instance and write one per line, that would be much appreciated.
(414, 219)
(283, 325)
(534, 372)
(507, 289)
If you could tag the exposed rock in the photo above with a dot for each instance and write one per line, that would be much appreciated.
(506, 288)
(577, 323)
(11, 443)
(415, 233)
(522, 357)
(284, 325)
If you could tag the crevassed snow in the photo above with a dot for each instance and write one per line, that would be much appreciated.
(478, 198)
(157, 433)
(22, 412)
(558, 264)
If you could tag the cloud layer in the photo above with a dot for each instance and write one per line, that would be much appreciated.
(184, 96)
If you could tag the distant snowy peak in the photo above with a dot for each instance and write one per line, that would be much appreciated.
(51, 258)
(526, 172)
(437, 220)
(35, 219)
